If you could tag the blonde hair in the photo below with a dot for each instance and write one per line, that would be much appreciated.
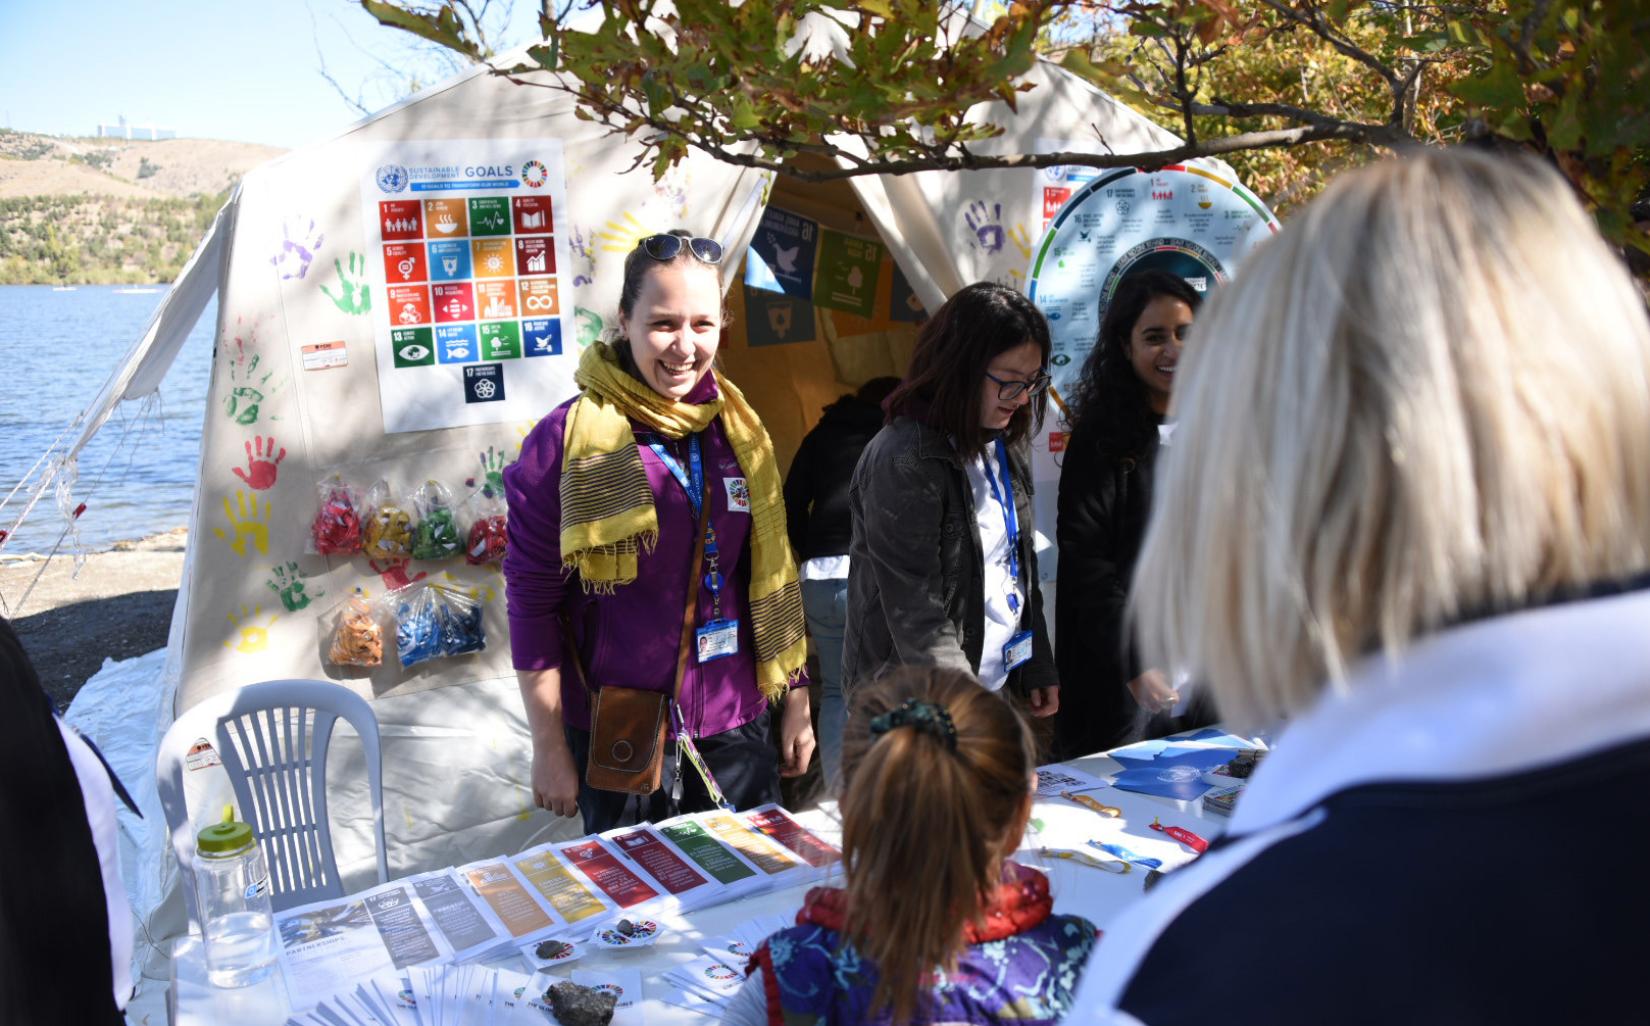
(1429, 397)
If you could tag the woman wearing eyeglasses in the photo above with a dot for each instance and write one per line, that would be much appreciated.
(1117, 413)
(943, 569)
(648, 550)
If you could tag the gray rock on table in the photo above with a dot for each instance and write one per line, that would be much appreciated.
(581, 1006)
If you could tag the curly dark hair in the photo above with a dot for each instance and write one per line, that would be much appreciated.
(1110, 398)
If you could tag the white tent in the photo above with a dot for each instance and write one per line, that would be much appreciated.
(304, 276)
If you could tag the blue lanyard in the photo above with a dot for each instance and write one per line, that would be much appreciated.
(1011, 521)
(695, 488)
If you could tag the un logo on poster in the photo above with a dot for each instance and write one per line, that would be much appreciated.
(392, 178)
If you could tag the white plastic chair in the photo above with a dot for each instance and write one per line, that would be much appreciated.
(272, 739)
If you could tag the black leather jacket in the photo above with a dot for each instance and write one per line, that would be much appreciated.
(915, 586)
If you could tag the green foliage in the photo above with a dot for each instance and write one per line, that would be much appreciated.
(1289, 91)
(52, 239)
(146, 168)
(97, 160)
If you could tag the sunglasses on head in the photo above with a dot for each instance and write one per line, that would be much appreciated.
(668, 247)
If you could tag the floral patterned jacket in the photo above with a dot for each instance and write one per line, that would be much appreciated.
(1021, 965)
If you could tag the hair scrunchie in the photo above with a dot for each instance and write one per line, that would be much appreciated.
(926, 717)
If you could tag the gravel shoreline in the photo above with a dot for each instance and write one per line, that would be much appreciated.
(117, 607)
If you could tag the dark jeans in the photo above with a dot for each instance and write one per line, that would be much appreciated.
(742, 760)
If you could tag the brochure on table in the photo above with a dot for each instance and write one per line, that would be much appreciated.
(327, 946)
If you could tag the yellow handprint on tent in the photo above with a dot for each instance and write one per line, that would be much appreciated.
(1021, 239)
(622, 238)
(482, 593)
(254, 637)
(250, 523)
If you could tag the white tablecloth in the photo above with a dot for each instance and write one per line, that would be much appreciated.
(1056, 823)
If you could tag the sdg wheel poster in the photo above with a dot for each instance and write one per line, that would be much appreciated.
(1184, 219)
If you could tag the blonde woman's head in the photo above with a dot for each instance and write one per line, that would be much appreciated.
(1429, 397)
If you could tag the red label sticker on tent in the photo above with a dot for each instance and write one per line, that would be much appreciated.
(325, 355)
(606, 872)
(409, 305)
(404, 262)
(533, 215)
(401, 219)
(794, 836)
(654, 855)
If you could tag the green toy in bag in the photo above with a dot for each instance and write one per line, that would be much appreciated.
(436, 536)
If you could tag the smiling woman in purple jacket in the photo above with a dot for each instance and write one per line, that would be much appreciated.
(605, 518)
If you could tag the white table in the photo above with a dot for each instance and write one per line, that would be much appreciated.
(1095, 894)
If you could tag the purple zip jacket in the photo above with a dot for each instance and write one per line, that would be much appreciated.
(629, 638)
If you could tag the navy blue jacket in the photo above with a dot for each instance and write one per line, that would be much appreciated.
(1460, 838)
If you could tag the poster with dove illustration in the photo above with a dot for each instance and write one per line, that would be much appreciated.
(781, 254)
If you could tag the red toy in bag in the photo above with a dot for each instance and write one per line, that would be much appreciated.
(337, 527)
(488, 533)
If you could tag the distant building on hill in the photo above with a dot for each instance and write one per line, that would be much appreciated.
(122, 129)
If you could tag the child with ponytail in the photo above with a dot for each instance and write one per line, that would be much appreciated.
(936, 925)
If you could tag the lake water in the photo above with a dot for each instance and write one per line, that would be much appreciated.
(59, 348)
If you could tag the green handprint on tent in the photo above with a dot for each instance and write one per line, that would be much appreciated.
(354, 294)
(492, 472)
(290, 587)
(248, 389)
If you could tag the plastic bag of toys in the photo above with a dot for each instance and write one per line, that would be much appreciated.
(436, 534)
(336, 529)
(388, 533)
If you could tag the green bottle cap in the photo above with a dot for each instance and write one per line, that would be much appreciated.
(226, 837)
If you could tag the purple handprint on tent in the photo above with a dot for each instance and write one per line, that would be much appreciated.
(298, 247)
(987, 225)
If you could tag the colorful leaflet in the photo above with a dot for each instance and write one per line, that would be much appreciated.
(598, 864)
(651, 853)
(707, 852)
(772, 821)
(505, 895)
(767, 856)
(571, 899)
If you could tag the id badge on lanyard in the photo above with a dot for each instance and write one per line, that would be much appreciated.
(719, 638)
(1018, 651)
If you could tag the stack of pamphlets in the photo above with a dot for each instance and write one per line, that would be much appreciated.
(570, 890)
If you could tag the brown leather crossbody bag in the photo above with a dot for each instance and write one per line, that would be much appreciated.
(628, 726)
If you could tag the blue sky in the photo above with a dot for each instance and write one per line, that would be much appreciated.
(226, 69)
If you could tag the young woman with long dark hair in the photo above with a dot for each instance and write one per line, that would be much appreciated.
(943, 565)
(1117, 412)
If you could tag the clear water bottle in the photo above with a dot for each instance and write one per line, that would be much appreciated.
(232, 899)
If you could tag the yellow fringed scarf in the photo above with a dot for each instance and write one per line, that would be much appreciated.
(607, 513)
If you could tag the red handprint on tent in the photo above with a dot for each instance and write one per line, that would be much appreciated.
(260, 469)
(394, 573)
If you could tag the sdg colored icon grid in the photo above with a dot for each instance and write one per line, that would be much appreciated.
(470, 279)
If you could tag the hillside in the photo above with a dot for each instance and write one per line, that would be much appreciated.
(110, 210)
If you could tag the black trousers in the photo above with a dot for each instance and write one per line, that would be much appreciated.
(743, 760)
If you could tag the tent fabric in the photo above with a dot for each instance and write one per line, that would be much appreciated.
(280, 256)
